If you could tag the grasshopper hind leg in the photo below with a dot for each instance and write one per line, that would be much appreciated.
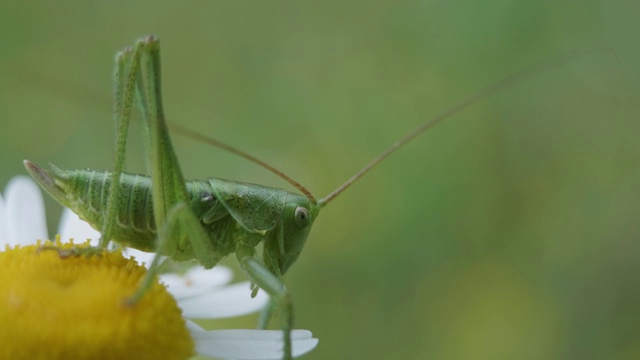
(126, 77)
(138, 81)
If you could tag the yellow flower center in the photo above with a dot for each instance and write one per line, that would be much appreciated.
(76, 308)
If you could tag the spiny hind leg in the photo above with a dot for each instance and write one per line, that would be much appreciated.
(126, 77)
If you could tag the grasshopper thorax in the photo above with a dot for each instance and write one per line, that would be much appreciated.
(282, 219)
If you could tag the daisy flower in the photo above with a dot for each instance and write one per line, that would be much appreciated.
(72, 308)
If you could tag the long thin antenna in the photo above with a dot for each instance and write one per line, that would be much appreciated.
(184, 131)
(91, 98)
(492, 89)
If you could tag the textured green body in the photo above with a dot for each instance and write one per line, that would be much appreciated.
(186, 220)
(231, 213)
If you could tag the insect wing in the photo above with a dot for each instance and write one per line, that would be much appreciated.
(257, 208)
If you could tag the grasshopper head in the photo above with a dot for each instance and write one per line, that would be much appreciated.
(298, 216)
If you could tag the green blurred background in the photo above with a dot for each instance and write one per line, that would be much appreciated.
(508, 232)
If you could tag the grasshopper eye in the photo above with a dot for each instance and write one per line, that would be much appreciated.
(303, 218)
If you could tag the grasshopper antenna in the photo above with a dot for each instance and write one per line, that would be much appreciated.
(471, 100)
(184, 131)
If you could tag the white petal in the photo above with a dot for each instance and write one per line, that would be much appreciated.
(233, 300)
(25, 212)
(4, 225)
(249, 344)
(72, 227)
(196, 281)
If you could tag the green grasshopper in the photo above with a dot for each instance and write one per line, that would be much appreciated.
(202, 220)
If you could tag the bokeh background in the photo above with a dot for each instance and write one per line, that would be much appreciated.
(508, 232)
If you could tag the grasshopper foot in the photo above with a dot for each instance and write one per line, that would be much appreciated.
(74, 251)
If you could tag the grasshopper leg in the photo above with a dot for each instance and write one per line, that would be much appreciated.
(74, 251)
(266, 314)
(181, 218)
(126, 76)
(138, 81)
(273, 285)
